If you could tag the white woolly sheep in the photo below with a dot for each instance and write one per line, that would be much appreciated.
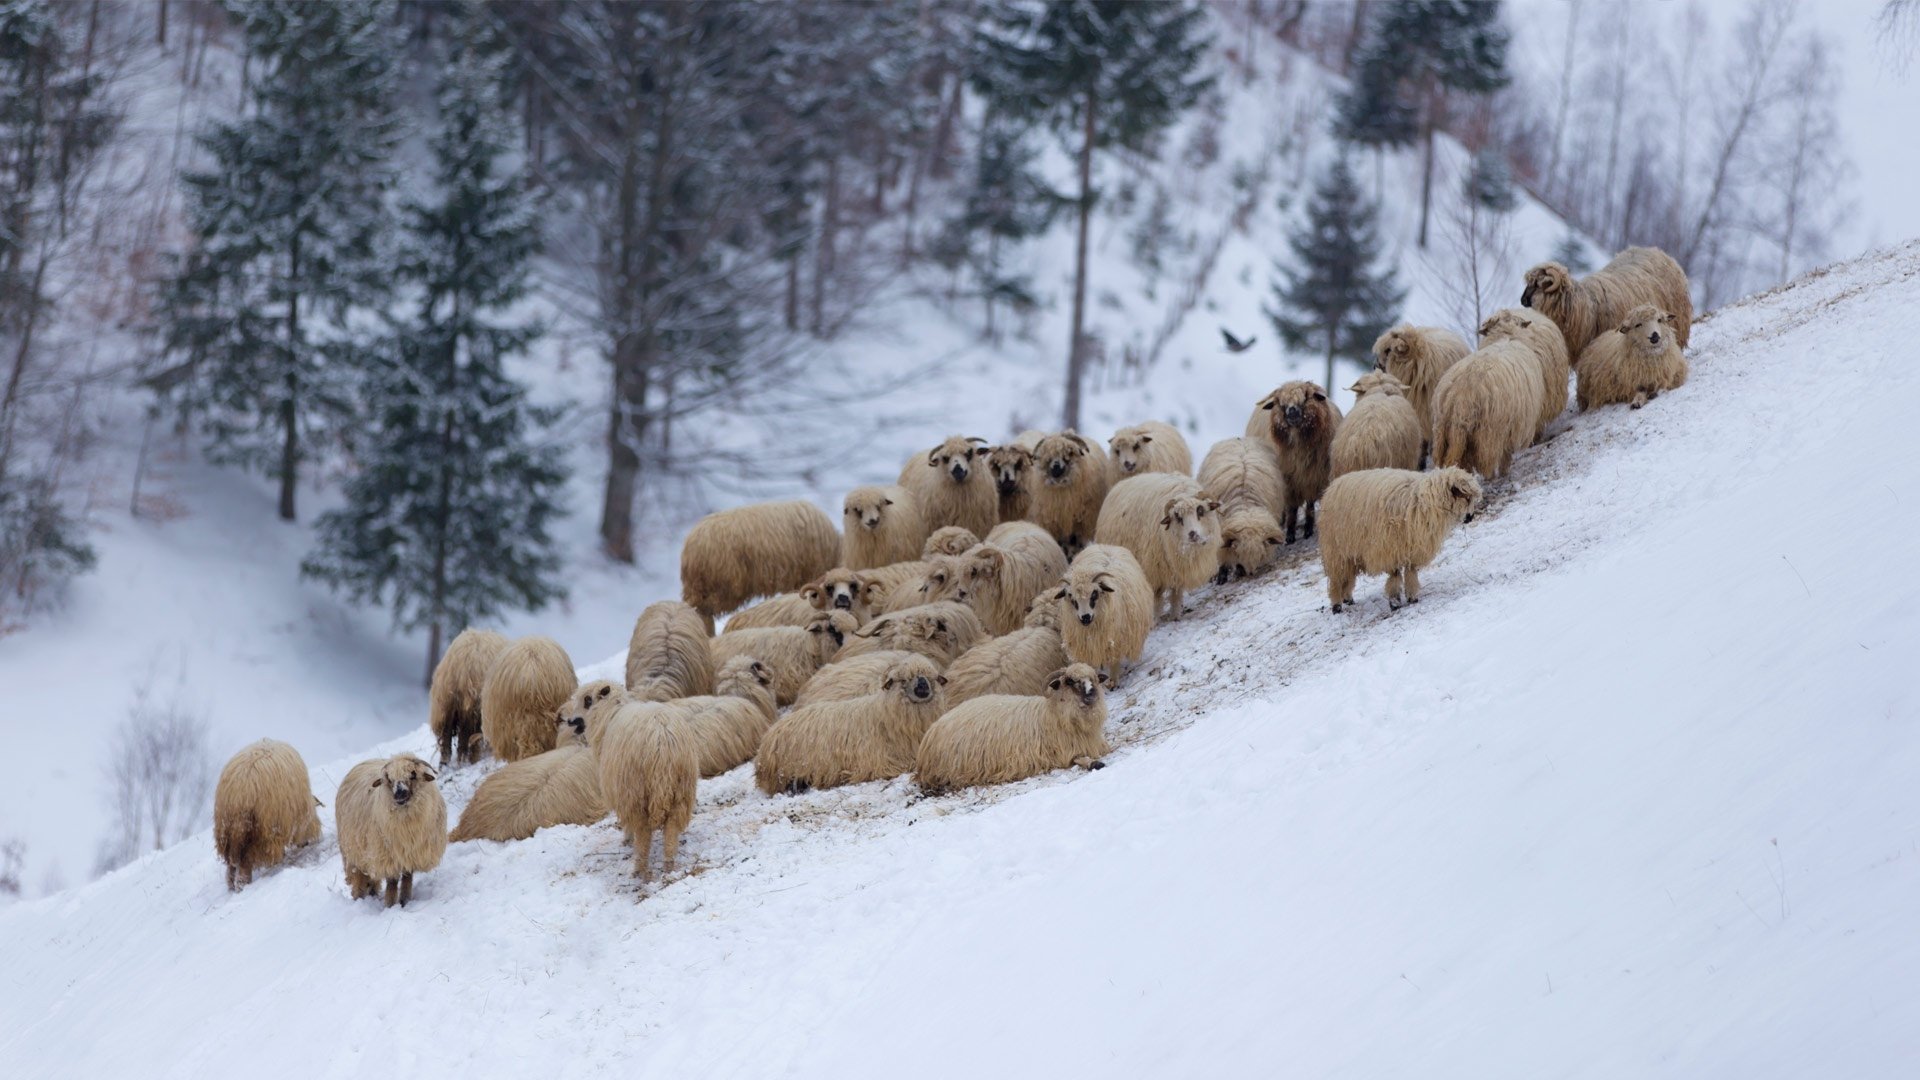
(393, 825)
(649, 770)
(1634, 362)
(949, 540)
(1381, 432)
(1106, 609)
(667, 656)
(838, 588)
(1392, 522)
(883, 525)
(1585, 309)
(1144, 448)
(1243, 476)
(952, 487)
(524, 689)
(895, 586)
(856, 676)
(1299, 423)
(262, 806)
(761, 549)
(1418, 356)
(559, 787)
(793, 652)
(1000, 578)
(1171, 527)
(1015, 663)
(727, 726)
(1011, 467)
(849, 742)
(1549, 348)
(941, 630)
(453, 699)
(1487, 408)
(1071, 483)
(1001, 738)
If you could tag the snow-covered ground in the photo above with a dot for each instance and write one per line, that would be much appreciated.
(1628, 794)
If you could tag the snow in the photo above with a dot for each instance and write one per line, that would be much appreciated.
(1627, 794)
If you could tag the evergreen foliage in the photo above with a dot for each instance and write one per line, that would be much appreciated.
(1332, 297)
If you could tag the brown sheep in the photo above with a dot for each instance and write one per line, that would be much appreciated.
(883, 526)
(1149, 447)
(1243, 476)
(1392, 522)
(1011, 467)
(1487, 408)
(262, 806)
(856, 676)
(1381, 432)
(761, 549)
(1299, 423)
(1600, 301)
(524, 689)
(1418, 356)
(1015, 663)
(667, 656)
(1106, 609)
(1542, 338)
(393, 825)
(649, 770)
(949, 540)
(941, 630)
(1633, 363)
(728, 725)
(838, 588)
(559, 787)
(1002, 738)
(793, 652)
(453, 700)
(849, 742)
(1000, 578)
(1072, 482)
(952, 487)
(1171, 527)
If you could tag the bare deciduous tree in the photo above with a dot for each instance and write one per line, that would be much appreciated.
(159, 777)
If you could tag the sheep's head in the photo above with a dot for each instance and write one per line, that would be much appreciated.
(838, 589)
(946, 579)
(1462, 491)
(1650, 330)
(1077, 683)
(954, 458)
(742, 675)
(1247, 545)
(1393, 348)
(949, 540)
(1192, 520)
(927, 632)
(986, 567)
(1008, 464)
(917, 679)
(1548, 283)
(1042, 613)
(1507, 323)
(1059, 455)
(1298, 412)
(402, 775)
(1129, 447)
(1378, 382)
(873, 593)
(830, 630)
(867, 507)
(589, 706)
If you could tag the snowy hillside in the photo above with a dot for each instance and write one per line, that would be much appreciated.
(1629, 794)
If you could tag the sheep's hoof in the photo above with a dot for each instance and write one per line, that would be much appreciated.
(1413, 599)
(1335, 609)
(1097, 765)
(1393, 605)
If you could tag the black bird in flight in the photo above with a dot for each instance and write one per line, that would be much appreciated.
(1234, 344)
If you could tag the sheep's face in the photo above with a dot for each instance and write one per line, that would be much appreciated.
(1058, 456)
(949, 540)
(946, 579)
(954, 458)
(1462, 491)
(1299, 412)
(743, 674)
(1649, 330)
(403, 776)
(1392, 348)
(1129, 451)
(924, 632)
(839, 589)
(1081, 599)
(1378, 382)
(584, 710)
(1506, 323)
(1246, 547)
(867, 509)
(985, 567)
(1077, 683)
(1547, 283)
(829, 630)
(1192, 520)
(918, 680)
(1009, 465)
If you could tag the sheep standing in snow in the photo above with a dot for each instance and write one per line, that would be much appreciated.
(262, 806)
(1002, 738)
(667, 655)
(1381, 432)
(883, 526)
(453, 699)
(1633, 363)
(559, 787)
(999, 578)
(949, 540)
(1015, 663)
(1487, 408)
(727, 726)
(1243, 476)
(1392, 522)
(941, 630)
(1106, 609)
(649, 770)
(1585, 309)
(524, 689)
(1072, 484)
(1171, 527)
(1149, 447)
(952, 487)
(1418, 356)
(762, 549)
(793, 653)
(393, 825)
(849, 742)
(838, 588)
(1011, 467)
(1299, 423)
(1542, 338)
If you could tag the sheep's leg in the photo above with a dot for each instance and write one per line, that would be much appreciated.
(1176, 601)
(392, 891)
(642, 854)
(406, 888)
(1309, 530)
(669, 848)
(1292, 511)
(1426, 448)
(1413, 584)
(1393, 590)
(233, 878)
(1089, 763)
(1640, 399)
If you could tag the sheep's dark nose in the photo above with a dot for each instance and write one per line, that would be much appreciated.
(1293, 414)
(922, 688)
(843, 602)
(1653, 338)
(1193, 536)
(401, 793)
(1128, 466)
(959, 472)
(1086, 618)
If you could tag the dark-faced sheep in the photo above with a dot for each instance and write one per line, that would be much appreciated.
(1381, 432)
(262, 806)
(1002, 738)
(849, 742)
(1634, 362)
(1418, 356)
(1149, 447)
(1243, 476)
(1172, 528)
(883, 525)
(1587, 308)
(667, 655)
(1299, 423)
(524, 689)
(1106, 609)
(393, 825)
(1542, 338)
(952, 487)
(1011, 466)
(794, 653)
(453, 699)
(762, 549)
(649, 770)
(1071, 484)
(1014, 663)
(1392, 522)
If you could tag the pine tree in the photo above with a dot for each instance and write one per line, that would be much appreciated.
(1335, 299)
(1489, 183)
(1572, 254)
(448, 522)
(1372, 111)
(289, 223)
(1007, 203)
(1103, 74)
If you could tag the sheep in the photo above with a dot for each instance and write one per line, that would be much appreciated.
(883, 526)
(856, 676)
(1381, 432)
(1487, 407)
(999, 578)
(941, 630)
(1001, 738)
(262, 806)
(649, 769)
(453, 699)
(839, 588)
(1299, 423)
(667, 656)
(523, 690)
(949, 540)
(393, 825)
(1106, 609)
(1144, 448)
(896, 586)
(1073, 483)
(1243, 475)
(1633, 363)
(848, 742)
(761, 549)
(1418, 356)
(727, 725)
(1171, 527)
(1392, 522)
(794, 653)
(1549, 348)
(950, 486)
(559, 787)
(1016, 663)
(1011, 467)
(1585, 309)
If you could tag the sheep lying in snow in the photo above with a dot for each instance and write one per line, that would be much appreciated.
(1585, 309)
(559, 787)
(1392, 522)
(850, 742)
(1011, 467)
(1299, 423)
(1487, 408)
(1633, 363)
(1106, 609)
(728, 725)
(952, 487)
(1381, 432)
(524, 689)
(1542, 338)
(883, 526)
(1016, 663)
(949, 540)
(1002, 737)
(838, 588)
(1418, 356)
(1171, 527)
(393, 825)
(667, 656)
(1000, 578)
(262, 806)
(856, 676)
(1243, 476)
(453, 699)
(1149, 447)
(794, 653)
(649, 770)
(940, 630)
(1071, 484)
(762, 549)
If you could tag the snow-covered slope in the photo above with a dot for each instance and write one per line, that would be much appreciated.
(1629, 794)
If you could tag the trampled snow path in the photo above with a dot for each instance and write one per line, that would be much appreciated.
(1628, 794)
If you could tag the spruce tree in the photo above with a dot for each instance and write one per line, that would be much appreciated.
(1103, 74)
(1572, 254)
(449, 520)
(288, 223)
(1007, 203)
(1489, 183)
(1334, 298)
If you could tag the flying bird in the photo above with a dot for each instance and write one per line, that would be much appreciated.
(1234, 344)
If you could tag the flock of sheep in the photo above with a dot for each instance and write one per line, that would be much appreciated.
(963, 623)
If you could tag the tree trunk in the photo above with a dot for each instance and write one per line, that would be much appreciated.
(1332, 331)
(1076, 351)
(1427, 123)
(289, 410)
(823, 247)
(443, 516)
(793, 292)
(161, 38)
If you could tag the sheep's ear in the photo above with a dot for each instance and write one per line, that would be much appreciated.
(1146, 439)
(1166, 522)
(1213, 504)
(1670, 318)
(1318, 396)
(1626, 328)
(1054, 683)
(941, 679)
(1060, 593)
(1276, 540)
(1268, 402)
(378, 781)
(886, 502)
(1229, 542)
(888, 684)
(1103, 584)
(604, 691)
(931, 454)
(427, 775)
(940, 625)
(1102, 676)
